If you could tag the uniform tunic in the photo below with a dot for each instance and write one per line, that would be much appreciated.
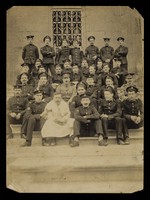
(91, 51)
(62, 55)
(122, 52)
(77, 56)
(107, 52)
(54, 128)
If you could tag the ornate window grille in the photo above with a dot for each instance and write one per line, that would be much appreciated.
(66, 25)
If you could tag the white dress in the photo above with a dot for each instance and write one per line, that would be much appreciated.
(55, 112)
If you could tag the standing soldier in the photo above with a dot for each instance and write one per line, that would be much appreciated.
(30, 53)
(132, 112)
(91, 52)
(34, 120)
(16, 107)
(107, 53)
(110, 114)
(122, 52)
(48, 53)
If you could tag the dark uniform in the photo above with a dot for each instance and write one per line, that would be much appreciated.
(48, 61)
(113, 110)
(91, 51)
(76, 77)
(47, 90)
(77, 56)
(57, 78)
(122, 52)
(15, 105)
(30, 81)
(32, 121)
(102, 77)
(30, 54)
(92, 120)
(91, 89)
(131, 108)
(107, 52)
(62, 55)
(84, 73)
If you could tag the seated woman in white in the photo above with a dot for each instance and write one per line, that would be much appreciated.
(58, 122)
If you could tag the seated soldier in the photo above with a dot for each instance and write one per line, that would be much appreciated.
(16, 107)
(67, 68)
(35, 69)
(84, 68)
(57, 77)
(66, 89)
(45, 87)
(32, 119)
(106, 72)
(85, 115)
(129, 81)
(27, 89)
(58, 122)
(81, 88)
(121, 94)
(92, 73)
(99, 66)
(110, 114)
(25, 69)
(132, 112)
(91, 86)
(76, 74)
(41, 69)
(119, 72)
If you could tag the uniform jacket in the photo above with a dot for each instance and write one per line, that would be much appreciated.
(91, 51)
(76, 77)
(17, 105)
(91, 89)
(112, 108)
(62, 55)
(30, 54)
(47, 90)
(122, 52)
(134, 108)
(90, 113)
(107, 52)
(77, 55)
(102, 76)
(57, 78)
(48, 53)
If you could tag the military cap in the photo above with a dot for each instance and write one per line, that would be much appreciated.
(38, 60)
(42, 74)
(24, 73)
(120, 38)
(106, 39)
(30, 36)
(110, 89)
(46, 37)
(82, 84)
(66, 74)
(132, 88)
(117, 59)
(24, 64)
(91, 37)
(85, 96)
(129, 75)
(109, 77)
(41, 66)
(17, 86)
(99, 60)
(67, 60)
(104, 64)
(36, 91)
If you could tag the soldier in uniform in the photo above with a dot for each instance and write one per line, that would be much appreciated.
(85, 115)
(91, 52)
(63, 53)
(76, 53)
(110, 114)
(48, 54)
(81, 88)
(91, 86)
(132, 112)
(99, 66)
(27, 89)
(33, 120)
(122, 52)
(30, 53)
(84, 68)
(16, 107)
(57, 77)
(107, 53)
(67, 68)
(45, 87)
(129, 81)
(66, 89)
(76, 76)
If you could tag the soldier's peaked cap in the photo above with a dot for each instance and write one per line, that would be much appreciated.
(24, 64)
(85, 96)
(37, 91)
(46, 37)
(18, 86)
(91, 37)
(132, 88)
(43, 74)
(29, 36)
(120, 38)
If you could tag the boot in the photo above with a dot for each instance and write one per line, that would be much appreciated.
(26, 144)
(74, 142)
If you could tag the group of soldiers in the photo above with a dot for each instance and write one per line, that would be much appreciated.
(94, 86)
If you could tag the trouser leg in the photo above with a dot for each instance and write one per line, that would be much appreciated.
(105, 127)
(98, 126)
(52, 69)
(118, 122)
(30, 128)
(76, 129)
(125, 128)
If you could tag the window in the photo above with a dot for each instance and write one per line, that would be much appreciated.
(66, 25)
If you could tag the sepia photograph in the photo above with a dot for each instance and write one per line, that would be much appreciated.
(75, 99)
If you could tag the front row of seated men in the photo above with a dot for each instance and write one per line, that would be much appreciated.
(58, 118)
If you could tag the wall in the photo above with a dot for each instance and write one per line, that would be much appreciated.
(100, 21)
